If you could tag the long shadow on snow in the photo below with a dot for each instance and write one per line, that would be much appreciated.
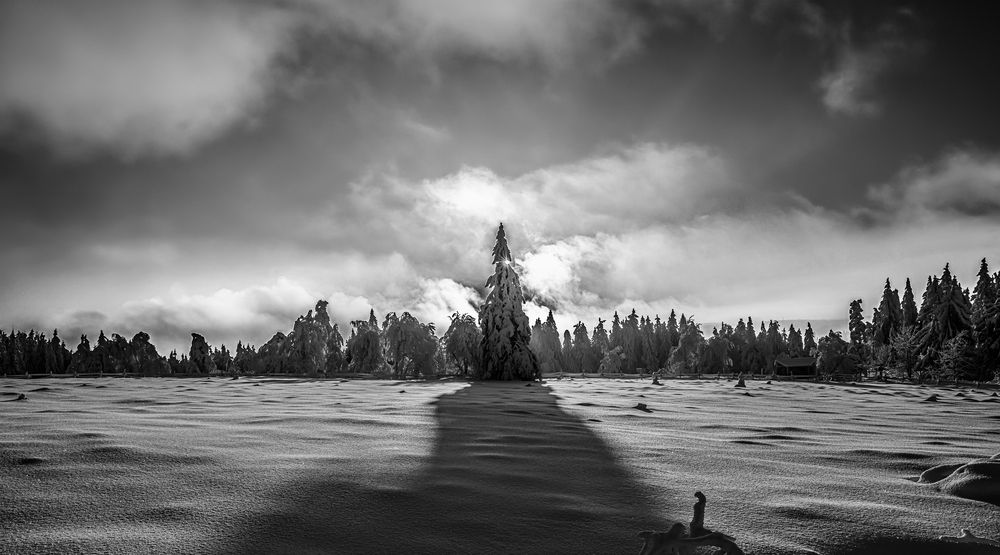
(510, 472)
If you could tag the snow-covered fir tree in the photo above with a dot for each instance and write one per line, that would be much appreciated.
(506, 332)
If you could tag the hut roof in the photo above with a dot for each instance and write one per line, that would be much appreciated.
(796, 362)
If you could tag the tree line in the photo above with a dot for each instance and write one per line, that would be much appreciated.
(953, 335)
(403, 347)
(678, 346)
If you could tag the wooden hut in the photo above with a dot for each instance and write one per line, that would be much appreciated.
(795, 366)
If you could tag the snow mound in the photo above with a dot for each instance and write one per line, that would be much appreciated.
(978, 479)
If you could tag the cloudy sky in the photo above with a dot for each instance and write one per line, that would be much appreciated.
(218, 165)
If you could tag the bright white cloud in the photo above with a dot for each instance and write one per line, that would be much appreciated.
(444, 227)
(254, 313)
(437, 299)
(137, 77)
(625, 189)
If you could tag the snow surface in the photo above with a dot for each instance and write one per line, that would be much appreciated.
(298, 466)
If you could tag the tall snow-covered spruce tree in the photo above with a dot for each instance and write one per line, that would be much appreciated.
(506, 330)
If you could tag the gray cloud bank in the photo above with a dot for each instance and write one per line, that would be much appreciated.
(136, 77)
(147, 77)
(141, 78)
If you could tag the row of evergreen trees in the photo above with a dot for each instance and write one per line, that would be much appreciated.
(401, 347)
(954, 334)
(640, 343)
(33, 353)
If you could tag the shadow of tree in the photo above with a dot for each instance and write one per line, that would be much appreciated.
(510, 472)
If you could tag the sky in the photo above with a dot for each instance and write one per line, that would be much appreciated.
(219, 165)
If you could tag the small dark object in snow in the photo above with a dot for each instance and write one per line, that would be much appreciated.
(747, 393)
(698, 520)
(236, 377)
(642, 407)
(960, 394)
(741, 383)
(656, 381)
(641, 395)
(679, 540)
(21, 397)
(593, 420)
(994, 394)
(932, 399)
(402, 391)
(768, 382)
(527, 385)
(257, 384)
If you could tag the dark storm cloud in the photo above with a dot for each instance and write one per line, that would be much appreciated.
(136, 77)
(961, 182)
(864, 56)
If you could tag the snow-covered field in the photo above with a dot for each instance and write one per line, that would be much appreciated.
(297, 466)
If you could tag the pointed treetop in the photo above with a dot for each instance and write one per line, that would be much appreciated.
(501, 252)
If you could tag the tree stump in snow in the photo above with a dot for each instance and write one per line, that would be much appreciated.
(698, 520)
(680, 540)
